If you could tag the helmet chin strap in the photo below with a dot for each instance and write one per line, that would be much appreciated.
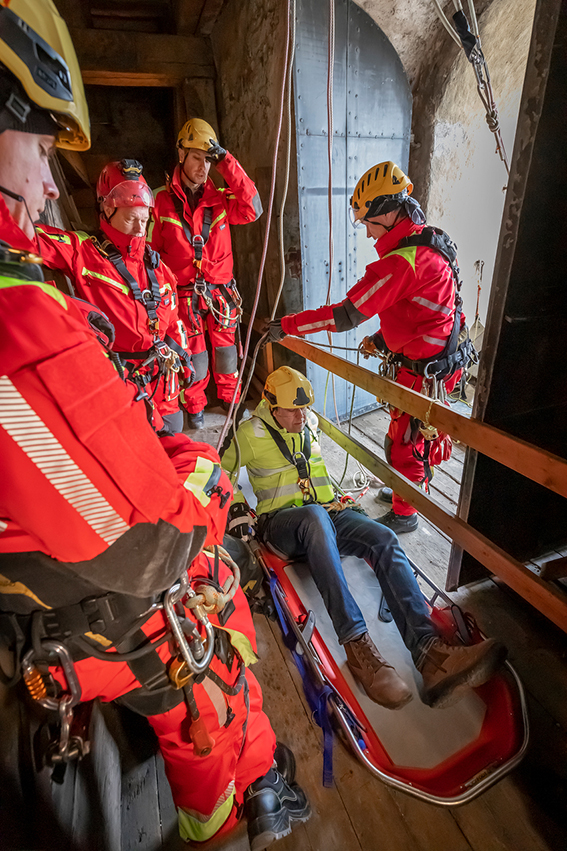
(21, 200)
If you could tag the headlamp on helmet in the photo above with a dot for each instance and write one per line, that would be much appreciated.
(288, 388)
(121, 184)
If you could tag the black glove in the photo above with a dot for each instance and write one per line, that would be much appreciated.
(240, 521)
(275, 331)
(215, 153)
(101, 324)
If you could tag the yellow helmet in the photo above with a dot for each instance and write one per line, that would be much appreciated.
(36, 48)
(381, 183)
(288, 388)
(196, 133)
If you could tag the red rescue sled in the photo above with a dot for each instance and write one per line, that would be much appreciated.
(443, 756)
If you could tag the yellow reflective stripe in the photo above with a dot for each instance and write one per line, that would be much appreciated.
(58, 237)
(197, 480)
(196, 827)
(408, 253)
(108, 280)
(82, 236)
(218, 218)
(242, 644)
(171, 221)
(48, 289)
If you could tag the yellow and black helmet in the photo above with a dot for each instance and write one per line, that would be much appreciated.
(383, 185)
(196, 133)
(36, 49)
(288, 388)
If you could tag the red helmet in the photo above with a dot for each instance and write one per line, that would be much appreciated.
(121, 184)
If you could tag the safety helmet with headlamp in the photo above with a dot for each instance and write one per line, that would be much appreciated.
(121, 184)
(288, 388)
(36, 49)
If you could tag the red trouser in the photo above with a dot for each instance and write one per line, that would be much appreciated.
(206, 790)
(198, 320)
(399, 447)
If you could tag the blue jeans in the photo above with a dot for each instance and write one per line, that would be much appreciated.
(310, 532)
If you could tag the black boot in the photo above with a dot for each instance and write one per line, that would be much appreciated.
(272, 808)
(399, 523)
(195, 421)
(285, 762)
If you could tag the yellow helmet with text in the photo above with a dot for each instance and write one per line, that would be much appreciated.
(288, 388)
(196, 133)
(36, 49)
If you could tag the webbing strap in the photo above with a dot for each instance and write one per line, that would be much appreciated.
(198, 240)
(149, 298)
(317, 696)
(296, 458)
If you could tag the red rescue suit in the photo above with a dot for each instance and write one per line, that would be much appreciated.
(95, 278)
(207, 790)
(174, 224)
(413, 292)
(89, 496)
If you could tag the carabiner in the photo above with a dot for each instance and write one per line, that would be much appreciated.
(174, 595)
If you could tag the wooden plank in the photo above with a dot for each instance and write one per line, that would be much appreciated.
(536, 464)
(114, 58)
(551, 602)
(555, 568)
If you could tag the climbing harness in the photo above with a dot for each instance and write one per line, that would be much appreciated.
(220, 306)
(165, 354)
(300, 461)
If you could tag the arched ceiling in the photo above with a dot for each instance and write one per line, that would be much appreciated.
(414, 29)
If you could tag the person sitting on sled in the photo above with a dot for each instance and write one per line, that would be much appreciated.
(299, 514)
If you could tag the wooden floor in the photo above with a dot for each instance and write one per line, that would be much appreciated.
(526, 811)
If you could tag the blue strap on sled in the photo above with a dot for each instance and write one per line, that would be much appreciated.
(318, 697)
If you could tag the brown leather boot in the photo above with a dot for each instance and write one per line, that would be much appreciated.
(449, 671)
(378, 679)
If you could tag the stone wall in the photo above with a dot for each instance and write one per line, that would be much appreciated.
(249, 50)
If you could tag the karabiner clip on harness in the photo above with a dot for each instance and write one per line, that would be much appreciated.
(300, 461)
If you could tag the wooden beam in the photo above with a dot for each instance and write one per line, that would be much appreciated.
(549, 601)
(530, 461)
(112, 58)
(208, 17)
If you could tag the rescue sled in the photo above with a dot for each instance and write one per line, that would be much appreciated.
(443, 756)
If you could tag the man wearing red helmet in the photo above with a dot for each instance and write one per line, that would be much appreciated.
(191, 231)
(120, 273)
(414, 290)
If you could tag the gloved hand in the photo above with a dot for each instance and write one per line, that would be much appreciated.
(367, 348)
(240, 521)
(215, 153)
(101, 325)
(273, 327)
(372, 346)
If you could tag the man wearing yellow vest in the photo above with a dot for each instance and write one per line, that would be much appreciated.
(299, 514)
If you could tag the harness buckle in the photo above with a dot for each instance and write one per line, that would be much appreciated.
(200, 286)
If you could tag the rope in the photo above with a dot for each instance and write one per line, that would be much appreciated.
(231, 415)
(480, 67)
